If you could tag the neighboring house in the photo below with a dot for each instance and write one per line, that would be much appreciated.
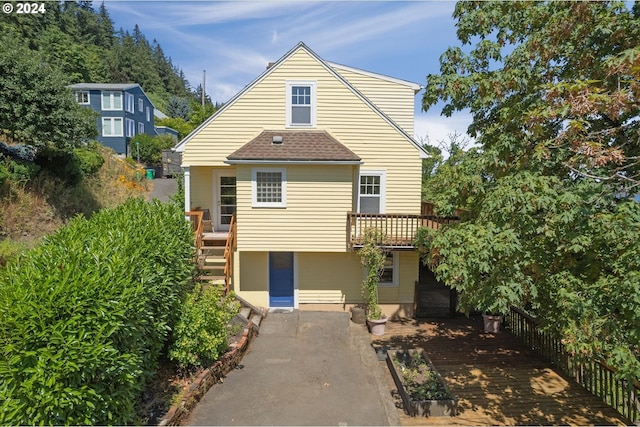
(125, 111)
(293, 156)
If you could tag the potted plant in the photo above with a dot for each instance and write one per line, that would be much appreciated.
(372, 257)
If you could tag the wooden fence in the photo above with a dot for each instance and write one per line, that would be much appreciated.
(595, 376)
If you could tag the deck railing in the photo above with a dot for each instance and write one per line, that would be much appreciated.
(594, 375)
(396, 230)
(229, 247)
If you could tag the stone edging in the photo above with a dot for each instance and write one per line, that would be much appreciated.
(210, 376)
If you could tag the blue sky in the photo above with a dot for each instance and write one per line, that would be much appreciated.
(234, 41)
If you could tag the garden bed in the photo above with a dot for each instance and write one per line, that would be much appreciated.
(423, 390)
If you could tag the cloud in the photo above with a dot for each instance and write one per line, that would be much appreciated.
(438, 128)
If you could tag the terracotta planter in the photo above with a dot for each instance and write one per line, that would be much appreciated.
(377, 326)
(492, 322)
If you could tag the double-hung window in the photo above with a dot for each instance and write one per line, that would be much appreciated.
(112, 126)
(148, 114)
(371, 192)
(389, 276)
(111, 100)
(301, 103)
(82, 97)
(129, 102)
(269, 188)
(131, 128)
(140, 105)
(140, 128)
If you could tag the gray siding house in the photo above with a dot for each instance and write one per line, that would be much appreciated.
(125, 111)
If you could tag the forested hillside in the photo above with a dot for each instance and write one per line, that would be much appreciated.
(83, 43)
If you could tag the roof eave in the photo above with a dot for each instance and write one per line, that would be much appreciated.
(293, 162)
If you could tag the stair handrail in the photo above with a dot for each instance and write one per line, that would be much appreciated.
(229, 247)
(196, 225)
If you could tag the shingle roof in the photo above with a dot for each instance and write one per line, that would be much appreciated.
(104, 86)
(297, 145)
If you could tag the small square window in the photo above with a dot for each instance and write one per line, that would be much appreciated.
(390, 272)
(269, 188)
(82, 97)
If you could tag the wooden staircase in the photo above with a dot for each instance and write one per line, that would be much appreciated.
(211, 259)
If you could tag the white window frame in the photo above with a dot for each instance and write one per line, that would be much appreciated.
(383, 187)
(130, 128)
(110, 95)
(148, 114)
(81, 95)
(140, 128)
(254, 188)
(140, 105)
(129, 102)
(395, 273)
(313, 85)
(112, 120)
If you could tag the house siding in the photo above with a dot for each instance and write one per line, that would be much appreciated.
(314, 219)
(324, 278)
(394, 99)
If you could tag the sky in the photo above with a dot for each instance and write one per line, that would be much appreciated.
(234, 41)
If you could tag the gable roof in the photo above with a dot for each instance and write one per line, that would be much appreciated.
(415, 86)
(180, 146)
(305, 146)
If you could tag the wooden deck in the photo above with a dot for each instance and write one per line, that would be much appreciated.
(496, 379)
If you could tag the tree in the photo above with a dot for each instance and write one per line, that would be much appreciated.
(178, 108)
(35, 105)
(554, 91)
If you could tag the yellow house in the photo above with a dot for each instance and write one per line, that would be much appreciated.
(300, 162)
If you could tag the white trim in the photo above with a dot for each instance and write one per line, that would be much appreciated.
(112, 120)
(396, 272)
(254, 188)
(415, 86)
(217, 174)
(130, 128)
(383, 187)
(296, 283)
(313, 85)
(129, 102)
(187, 188)
(111, 96)
(80, 94)
(294, 162)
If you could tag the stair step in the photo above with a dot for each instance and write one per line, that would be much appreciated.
(211, 267)
(211, 248)
(245, 312)
(256, 318)
(206, 278)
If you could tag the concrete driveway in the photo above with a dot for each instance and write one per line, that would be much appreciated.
(305, 368)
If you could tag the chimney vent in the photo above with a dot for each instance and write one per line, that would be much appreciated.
(277, 140)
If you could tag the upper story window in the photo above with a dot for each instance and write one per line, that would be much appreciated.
(140, 128)
(112, 126)
(269, 188)
(140, 105)
(82, 97)
(301, 103)
(148, 114)
(129, 101)
(111, 100)
(371, 191)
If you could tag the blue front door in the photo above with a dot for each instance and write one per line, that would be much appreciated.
(281, 279)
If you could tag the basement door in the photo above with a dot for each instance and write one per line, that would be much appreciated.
(281, 279)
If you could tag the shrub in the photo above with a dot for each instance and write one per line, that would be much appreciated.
(89, 159)
(86, 314)
(201, 335)
(150, 148)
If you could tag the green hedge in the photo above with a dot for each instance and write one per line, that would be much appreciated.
(86, 314)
